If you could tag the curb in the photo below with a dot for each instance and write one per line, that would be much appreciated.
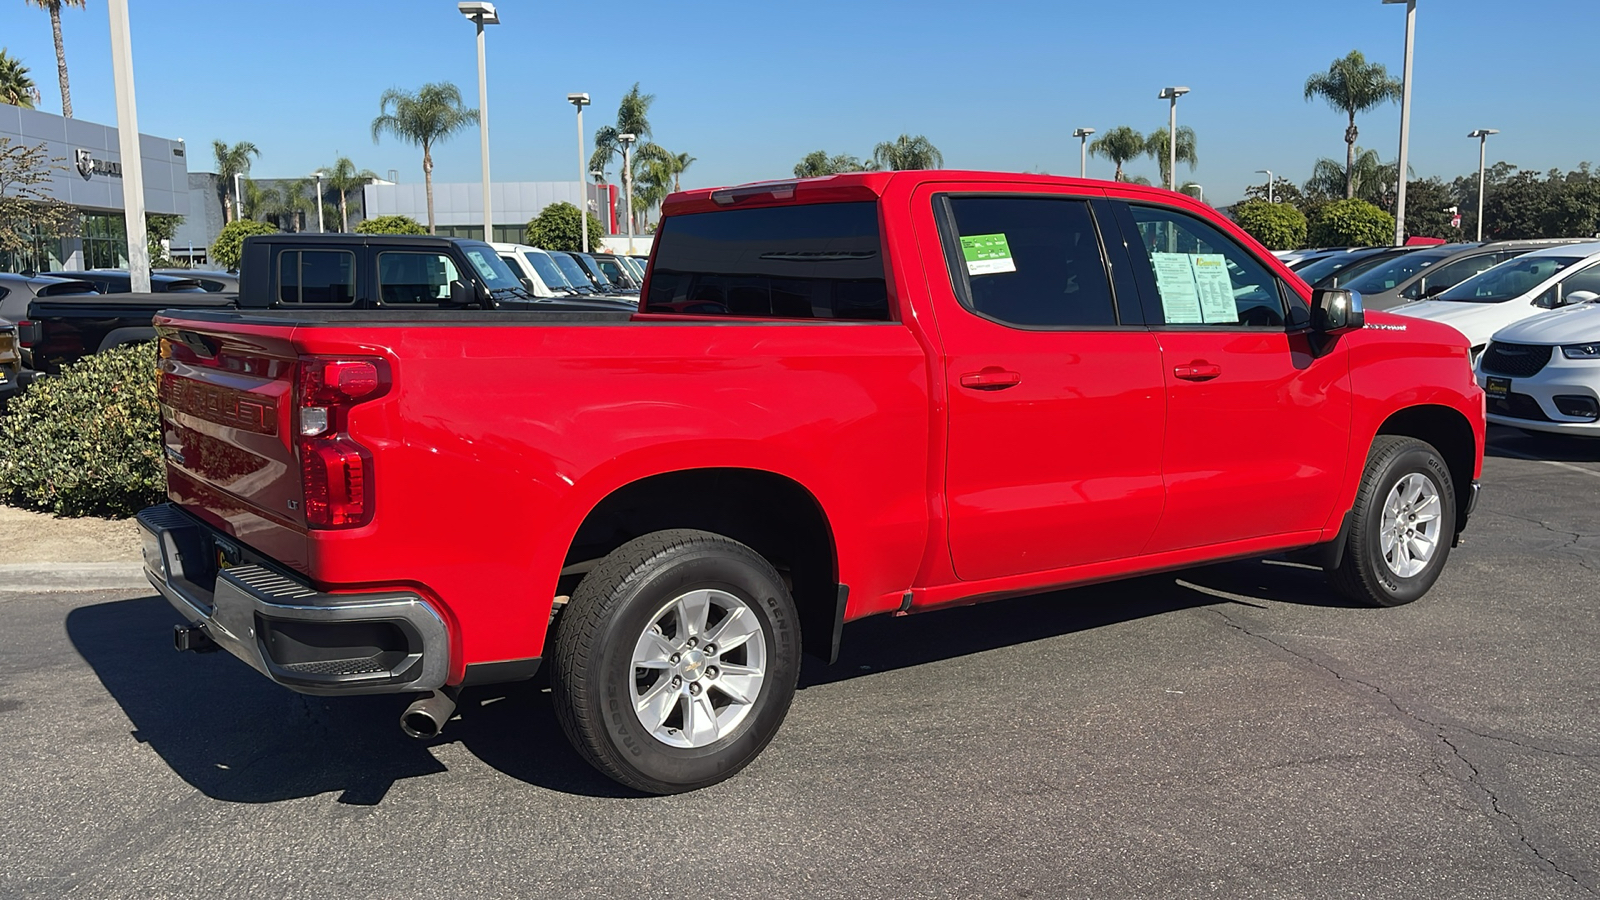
(42, 577)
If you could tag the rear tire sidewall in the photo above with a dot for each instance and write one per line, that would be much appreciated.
(1393, 589)
(661, 767)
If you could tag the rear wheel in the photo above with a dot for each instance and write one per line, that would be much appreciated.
(676, 661)
(1402, 525)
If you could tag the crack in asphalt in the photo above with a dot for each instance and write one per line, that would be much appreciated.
(1568, 549)
(1421, 723)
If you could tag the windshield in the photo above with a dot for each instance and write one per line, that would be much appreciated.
(1319, 269)
(1392, 273)
(603, 280)
(619, 274)
(548, 271)
(491, 268)
(574, 272)
(633, 266)
(1509, 280)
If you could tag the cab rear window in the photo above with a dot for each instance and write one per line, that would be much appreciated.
(814, 261)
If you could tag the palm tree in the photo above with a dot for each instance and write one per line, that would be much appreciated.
(342, 178)
(818, 163)
(1368, 179)
(1353, 85)
(907, 152)
(633, 117)
(1156, 146)
(232, 161)
(680, 163)
(263, 203)
(1119, 145)
(54, 8)
(432, 114)
(16, 86)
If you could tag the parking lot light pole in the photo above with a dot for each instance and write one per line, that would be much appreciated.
(1482, 134)
(1082, 134)
(580, 101)
(320, 229)
(1405, 124)
(238, 196)
(1172, 94)
(483, 14)
(1268, 173)
(128, 146)
(627, 183)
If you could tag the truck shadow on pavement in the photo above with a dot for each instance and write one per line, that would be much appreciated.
(1514, 443)
(237, 737)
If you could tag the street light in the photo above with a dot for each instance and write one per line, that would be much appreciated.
(627, 183)
(128, 145)
(1482, 134)
(238, 196)
(1082, 134)
(600, 180)
(1405, 124)
(483, 14)
(1268, 173)
(320, 229)
(580, 101)
(1172, 94)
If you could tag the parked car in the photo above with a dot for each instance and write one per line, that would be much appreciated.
(618, 271)
(1512, 291)
(118, 281)
(1542, 374)
(534, 266)
(667, 508)
(580, 279)
(603, 280)
(1429, 271)
(17, 291)
(1330, 271)
(213, 281)
(11, 372)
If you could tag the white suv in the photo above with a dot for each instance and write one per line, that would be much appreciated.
(1543, 373)
(1512, 291)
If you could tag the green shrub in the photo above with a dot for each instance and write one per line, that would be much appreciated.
(1350, 223)
(556, 227)
(229, 245)
(390, 225)
(1279, 226)
(87, 442)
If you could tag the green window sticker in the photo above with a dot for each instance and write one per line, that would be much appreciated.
(987, 254)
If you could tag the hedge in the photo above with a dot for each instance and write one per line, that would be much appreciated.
(87, 442)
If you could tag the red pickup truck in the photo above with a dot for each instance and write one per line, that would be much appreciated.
(841, 397)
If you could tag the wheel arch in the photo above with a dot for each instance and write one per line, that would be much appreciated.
(773, 514)
(1449, 431)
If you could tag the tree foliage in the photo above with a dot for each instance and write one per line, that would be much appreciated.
(1155, 146)
(557, 227)
(27, 209)
(1119, 145)
(1278, 226)
(1350, 223)
(87, 442)
(390, 225)
(1525, 205)
(818, 163)
(432, 114)
(53, 7)
(1352, 85)
(633, 117)
(159, 227)
(231, 161)
(907, 152)
(1283, 191)
(342, 178)
(16, 85)
(229, 245)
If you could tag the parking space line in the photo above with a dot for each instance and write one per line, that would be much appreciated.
(1548, 462)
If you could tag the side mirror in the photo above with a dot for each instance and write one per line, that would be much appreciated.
(1582, 297)
(527, 284)
(462, 294)
(1336, 311)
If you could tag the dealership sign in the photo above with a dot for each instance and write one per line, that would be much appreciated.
(89, 166)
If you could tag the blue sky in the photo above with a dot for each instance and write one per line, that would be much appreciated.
(750, 87)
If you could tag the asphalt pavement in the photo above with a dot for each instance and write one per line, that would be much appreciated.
(1235, 731)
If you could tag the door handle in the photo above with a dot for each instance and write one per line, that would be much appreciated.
(1197, 371)
(991, 379)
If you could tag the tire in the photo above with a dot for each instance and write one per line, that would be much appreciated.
(1366, 574)
(659, 727)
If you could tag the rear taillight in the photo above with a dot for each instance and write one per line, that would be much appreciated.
(29, 333)
(335, 470)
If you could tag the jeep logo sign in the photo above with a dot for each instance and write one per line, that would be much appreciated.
(88, 165)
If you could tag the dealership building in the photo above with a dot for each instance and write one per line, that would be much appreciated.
(89, 179)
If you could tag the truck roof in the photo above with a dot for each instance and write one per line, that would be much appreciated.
(859, 186)
(346, 239)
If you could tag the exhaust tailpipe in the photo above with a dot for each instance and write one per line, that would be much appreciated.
(425, 718)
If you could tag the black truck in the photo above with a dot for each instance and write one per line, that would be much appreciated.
(301, 271)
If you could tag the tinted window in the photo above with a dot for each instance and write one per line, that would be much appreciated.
(547, 270)
(573, 272)
(1451, 274)
(1586, 280)
(1202, 276)
(494, 272)
(1509, 280)
(412, 277)
(1029, 261)
(1394, 272)
(822, 261)
(316, 276)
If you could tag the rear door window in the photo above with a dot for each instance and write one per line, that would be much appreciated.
(317, 276)
(1029, 262)
(812, 261)
(413, 277)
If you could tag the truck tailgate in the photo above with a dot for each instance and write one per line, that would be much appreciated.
(227, 407)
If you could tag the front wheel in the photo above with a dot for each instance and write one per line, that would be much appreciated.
(676, 661)
(1402, 525)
